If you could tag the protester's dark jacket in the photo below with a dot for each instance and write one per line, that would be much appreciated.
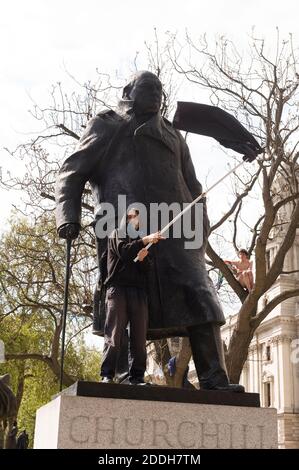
(149, 163)
(121, 268)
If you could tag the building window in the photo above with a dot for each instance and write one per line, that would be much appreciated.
(268, 353)
(267, 390)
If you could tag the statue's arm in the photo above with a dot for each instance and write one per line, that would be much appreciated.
(76, 171)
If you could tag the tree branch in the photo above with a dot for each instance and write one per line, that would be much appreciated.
(256, 321)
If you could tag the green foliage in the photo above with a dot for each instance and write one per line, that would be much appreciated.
(32, 264)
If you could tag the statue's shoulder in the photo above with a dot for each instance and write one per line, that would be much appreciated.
(102, 121)
(167, 122)
(172, 130)
(108, 118)
(169, 125)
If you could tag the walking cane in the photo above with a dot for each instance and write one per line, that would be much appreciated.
(179, 215)
(65, 304)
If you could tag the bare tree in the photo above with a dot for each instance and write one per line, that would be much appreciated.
(32, 294)
(261, 89)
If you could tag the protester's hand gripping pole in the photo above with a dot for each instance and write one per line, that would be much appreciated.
(202, 195)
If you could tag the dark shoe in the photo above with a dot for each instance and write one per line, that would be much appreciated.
(138, 382)
(107, 380)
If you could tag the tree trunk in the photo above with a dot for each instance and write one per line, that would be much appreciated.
(20, 385)
(237, 353)
(241, 338)
(182, 360)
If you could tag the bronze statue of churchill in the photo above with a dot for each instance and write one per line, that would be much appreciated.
(136, 152)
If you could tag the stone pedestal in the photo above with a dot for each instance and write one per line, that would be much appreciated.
(100, 416)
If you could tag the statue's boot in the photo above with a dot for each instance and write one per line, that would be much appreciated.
(208, 356)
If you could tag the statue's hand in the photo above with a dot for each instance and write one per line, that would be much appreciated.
(249, 158)
(249, 150)
(69, 231)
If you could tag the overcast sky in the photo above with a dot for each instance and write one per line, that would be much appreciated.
(39, 39)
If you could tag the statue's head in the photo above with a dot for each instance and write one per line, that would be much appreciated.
(145, 90)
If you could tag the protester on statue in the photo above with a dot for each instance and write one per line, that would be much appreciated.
(126, 299)
(243, 269)
(134, 151)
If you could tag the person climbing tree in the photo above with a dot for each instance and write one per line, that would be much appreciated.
(243, 267)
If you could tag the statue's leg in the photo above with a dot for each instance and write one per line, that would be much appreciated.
(208, 355)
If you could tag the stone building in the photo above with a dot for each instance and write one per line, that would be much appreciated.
(272, 366)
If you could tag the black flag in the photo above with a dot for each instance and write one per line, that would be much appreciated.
(217, 123)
